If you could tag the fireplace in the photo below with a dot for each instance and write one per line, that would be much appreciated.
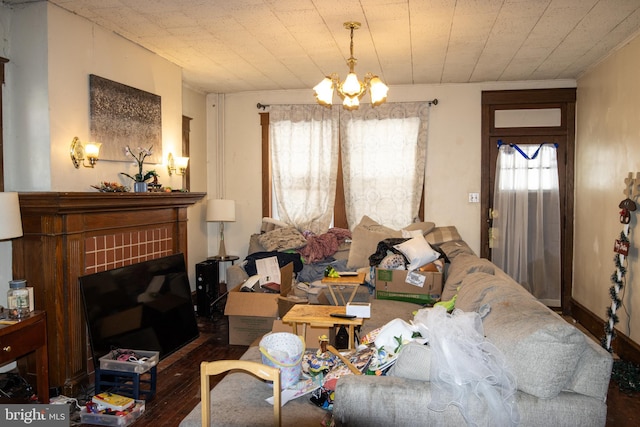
(68, 235)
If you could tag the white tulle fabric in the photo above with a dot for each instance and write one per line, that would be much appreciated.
(467, 370)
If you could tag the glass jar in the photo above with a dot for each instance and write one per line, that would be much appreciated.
(18, 299)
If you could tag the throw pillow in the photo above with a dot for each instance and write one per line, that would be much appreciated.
(423, 227)
(254, 244)
(439, 235)
(269, 224)
(364, 241)
(408, 234)
(418, 252)
(282, 239)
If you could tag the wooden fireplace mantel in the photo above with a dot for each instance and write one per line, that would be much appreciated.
(68, 235)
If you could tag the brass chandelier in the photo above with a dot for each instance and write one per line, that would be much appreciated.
(351, 90)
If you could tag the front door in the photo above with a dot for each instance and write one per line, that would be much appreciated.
(531, 117)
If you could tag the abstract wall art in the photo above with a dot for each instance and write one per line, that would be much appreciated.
(122, 115)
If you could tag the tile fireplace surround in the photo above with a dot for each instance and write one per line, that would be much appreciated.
(68, 235)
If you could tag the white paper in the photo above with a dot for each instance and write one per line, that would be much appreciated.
(415, 279)
(304, 386)
(268, 270)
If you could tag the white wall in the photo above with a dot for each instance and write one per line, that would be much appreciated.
(194, 106)
(608, 148)
(453, 154)
(51, 53)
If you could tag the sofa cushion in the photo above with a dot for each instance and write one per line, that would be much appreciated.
(282, 239)
(454, 248)
(541, 349)
(476, 285)
(413, 362)
(463, 265)
(593, 372)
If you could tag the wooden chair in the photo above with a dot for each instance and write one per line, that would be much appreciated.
(258, 369)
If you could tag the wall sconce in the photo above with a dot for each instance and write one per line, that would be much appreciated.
(87, 151)
(177, 165)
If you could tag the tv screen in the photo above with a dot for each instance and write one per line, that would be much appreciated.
(144, 306)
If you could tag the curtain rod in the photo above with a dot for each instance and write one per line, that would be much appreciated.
(265, 106)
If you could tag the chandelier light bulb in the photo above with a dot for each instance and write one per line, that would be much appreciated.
(351, 86)
(324, 92)
(378, 91)
(351, 103)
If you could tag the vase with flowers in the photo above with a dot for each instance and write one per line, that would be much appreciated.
(140, 178)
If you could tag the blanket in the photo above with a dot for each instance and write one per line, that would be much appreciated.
(321, 246)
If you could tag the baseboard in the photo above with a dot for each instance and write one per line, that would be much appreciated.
(622, 345)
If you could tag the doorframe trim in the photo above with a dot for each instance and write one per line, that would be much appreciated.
(534, 98)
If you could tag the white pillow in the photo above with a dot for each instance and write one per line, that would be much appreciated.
(418, 252)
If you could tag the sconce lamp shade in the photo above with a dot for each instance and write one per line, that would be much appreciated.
(221, 210)
(10, 219)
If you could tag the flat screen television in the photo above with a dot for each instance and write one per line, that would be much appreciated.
(144, 306)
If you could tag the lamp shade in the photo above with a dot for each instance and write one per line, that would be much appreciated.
(221, 210)
(10, 220)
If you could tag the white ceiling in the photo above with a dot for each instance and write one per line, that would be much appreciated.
(243, 45)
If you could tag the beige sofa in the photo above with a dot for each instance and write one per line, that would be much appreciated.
(562, 375)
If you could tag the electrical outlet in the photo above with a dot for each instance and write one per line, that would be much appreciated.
(474, 197)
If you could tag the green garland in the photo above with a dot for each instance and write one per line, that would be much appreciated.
(626, 375)
(617, 278)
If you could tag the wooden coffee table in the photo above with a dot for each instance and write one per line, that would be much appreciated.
(320, 316)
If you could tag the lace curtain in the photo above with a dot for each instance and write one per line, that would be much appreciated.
(384, 152)
(526, 220)
(304, 156)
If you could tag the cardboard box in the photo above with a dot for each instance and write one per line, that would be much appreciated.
(251, 314)
(421, 287)
(286, 303)
(313, 333)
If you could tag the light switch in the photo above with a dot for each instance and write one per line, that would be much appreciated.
(474, 197)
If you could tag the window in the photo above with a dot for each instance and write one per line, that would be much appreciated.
(382, 158)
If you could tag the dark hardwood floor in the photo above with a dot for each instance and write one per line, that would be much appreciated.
(178, 383)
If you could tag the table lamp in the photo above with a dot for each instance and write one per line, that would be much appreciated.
(10, 219)
(221, 210)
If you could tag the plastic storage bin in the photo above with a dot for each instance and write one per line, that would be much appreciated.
(112, 420)
(108, 363)
(130, 384)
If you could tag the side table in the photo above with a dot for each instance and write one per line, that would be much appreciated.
(320, 315)
(342, 283)
(26, 336)
(208, 283)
